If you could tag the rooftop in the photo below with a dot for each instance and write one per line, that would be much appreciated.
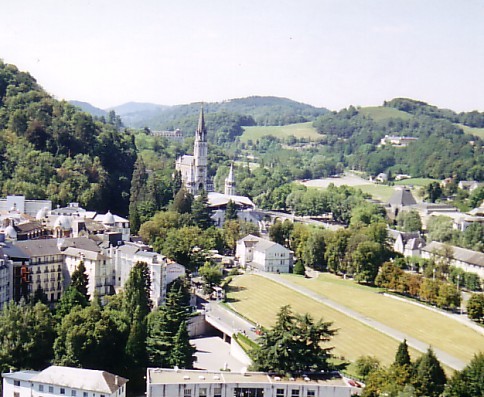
(182, 376)
(460, 254)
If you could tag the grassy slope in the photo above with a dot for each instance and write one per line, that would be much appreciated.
(433, 328)
(301, 130)
(260, 299)
(381, 113)
(474, 131)
(416, 181)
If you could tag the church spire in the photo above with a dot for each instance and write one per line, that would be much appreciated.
(230, 182)
(201, 133)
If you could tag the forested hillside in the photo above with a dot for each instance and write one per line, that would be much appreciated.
(442, 149)
(51, 150)
(255, 110)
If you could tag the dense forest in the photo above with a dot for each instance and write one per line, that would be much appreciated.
(442, 149)
(51, 150)
(258, 111)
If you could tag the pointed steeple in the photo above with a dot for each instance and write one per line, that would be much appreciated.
(230, 182)
(201, 133)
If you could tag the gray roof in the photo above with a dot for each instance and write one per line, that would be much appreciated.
(402, 197)
(13, 251)
(36, 248)
(82, 243)
(80, 378)
(460, 254)
(24, 375)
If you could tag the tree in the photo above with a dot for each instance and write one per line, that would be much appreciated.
(231, 211)
(365, 365)
(429, 376)
(164, 325)
(136, 344)
(26, 336)
(469, 381)
(183, 353)
(299, 268)
(280, 232)
(211, 274)
(80, 280)
(138, 185)
(182, 203)
(313, 250)
(402, 357)
(433, 192)
(69, 299)
(94, 338)
(409, 221)
(475, 307)
(201, 213)
(294, 345)
(449, 296)
(367, 259)
(137, 290)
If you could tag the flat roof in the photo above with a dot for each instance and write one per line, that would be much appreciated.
(183, 376)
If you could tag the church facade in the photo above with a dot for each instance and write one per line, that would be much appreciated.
(194, 168)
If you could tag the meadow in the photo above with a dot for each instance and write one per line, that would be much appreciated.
(300, 130)
(259, 300)
(428, 326)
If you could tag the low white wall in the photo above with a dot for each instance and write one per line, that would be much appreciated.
(238, 353)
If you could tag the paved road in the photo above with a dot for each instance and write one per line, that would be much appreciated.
(444, 357)
(213, 354)
(229, 321)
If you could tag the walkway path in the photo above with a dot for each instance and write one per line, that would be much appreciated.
(444, 357)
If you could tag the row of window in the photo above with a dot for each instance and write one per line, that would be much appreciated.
(217, 392)
(62, 391)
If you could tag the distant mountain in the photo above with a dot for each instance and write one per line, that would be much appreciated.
(263, 110)
(88, 108)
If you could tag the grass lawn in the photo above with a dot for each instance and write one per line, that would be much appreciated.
(259, 300)
(379, 192)
(301, 130)
(416, 181)
(433, 328)
(471, 130)
(381, 113)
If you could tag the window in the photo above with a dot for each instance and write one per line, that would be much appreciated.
(84, 394)
(41, 387)
(295, 393)
(311, 393)
(73, 393)
(62, 390)
(187, 393)
(280, 393)
(202, 392)
(16, 394)
(16, 383)
(51, 389)
(217, 392)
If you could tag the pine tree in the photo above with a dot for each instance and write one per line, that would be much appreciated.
(182, 353)
(177, 182)
(402, 357)
(70, 299)
(182, 203)
(80, 280)
(138, 186)
(299, 268)
(136, 344)
(231, 211)
(137, 291)
(429, 376)
(201, 212)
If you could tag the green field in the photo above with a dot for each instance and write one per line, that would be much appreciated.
(259, 299)
(379, 192)
(381, 113)
(470, 130)
(416, 181)
(301, 130)
(428, 326)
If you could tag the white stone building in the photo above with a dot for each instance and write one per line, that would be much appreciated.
(195, 383)
(20, 204)
(58, 381)
(162, 272)
(465, 259)
(262, 254)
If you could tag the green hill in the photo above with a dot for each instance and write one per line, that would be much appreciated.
(50, 149)
(382, 113)
(300, 130)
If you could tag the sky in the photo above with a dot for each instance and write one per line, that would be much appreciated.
(327, 53)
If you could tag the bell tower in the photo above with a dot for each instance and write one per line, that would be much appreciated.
(200, 154)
